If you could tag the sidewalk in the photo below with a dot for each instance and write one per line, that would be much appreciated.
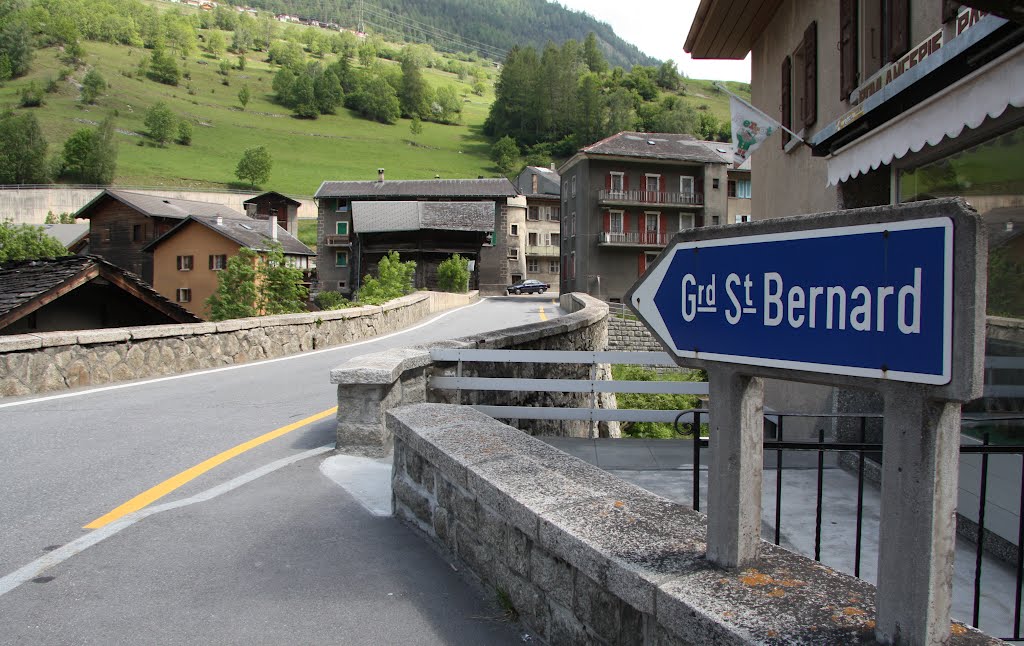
(665, 467)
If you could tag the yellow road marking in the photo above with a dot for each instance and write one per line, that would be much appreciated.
(167, 486)
(543, 314)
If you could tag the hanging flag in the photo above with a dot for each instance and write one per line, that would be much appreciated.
(750, 128)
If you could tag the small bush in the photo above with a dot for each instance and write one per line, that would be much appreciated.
(185, 133)
(331, 301)
(32, 96)
(453, 275)
(394, 279)
(658, 430)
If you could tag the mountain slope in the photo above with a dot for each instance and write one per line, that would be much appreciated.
(491, 27)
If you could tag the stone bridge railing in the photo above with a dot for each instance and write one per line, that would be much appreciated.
(371, 385)
(51, 361)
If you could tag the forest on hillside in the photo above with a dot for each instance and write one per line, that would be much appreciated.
(490, 28)
(554, 102)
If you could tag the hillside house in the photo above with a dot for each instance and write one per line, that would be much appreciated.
(122, 223)
(623, 198)
(79, 293)
(355, 229)
(275, 205)
(536, 235)
(188, 258)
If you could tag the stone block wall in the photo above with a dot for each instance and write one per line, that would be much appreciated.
(586, 558)
(629, 335)
(51, 361)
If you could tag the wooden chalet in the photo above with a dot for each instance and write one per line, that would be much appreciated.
(275, 205)
(121, 223)
(79, 293)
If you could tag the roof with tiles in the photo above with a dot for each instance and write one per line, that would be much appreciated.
(246, 231)
(658, 145)
(156, 206)
(23, 281)
(378, 217)
(415, 188)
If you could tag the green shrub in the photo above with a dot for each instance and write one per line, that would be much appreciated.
(394, 279)
(453, 275)
(32, 96)
(635, 401)
(331, 301)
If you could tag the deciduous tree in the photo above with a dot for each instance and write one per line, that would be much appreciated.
(160, 123)
(27, 242)
(254, 165)
(22, 150)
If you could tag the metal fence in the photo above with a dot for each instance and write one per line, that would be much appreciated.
(867, 455)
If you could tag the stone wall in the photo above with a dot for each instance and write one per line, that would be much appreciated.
(50, 361)
(585, 558)
(30, 205)
(371, 385)
(629, 335)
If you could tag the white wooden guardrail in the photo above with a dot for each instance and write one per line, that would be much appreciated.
(593, 385)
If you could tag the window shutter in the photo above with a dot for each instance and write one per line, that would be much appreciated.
(607, 221)
(787, 115)
(211, 262)
(608, 182)
(625, 221)
(847, 48)
(698, 220)
(642, 264)
(811, 74)
(899, 28)
(625, 181)
(662, 225)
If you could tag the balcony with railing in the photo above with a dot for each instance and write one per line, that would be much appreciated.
(634, 238)
(661, 198)
(542, 250)
(337, 240)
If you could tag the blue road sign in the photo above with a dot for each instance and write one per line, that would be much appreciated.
(869, 301)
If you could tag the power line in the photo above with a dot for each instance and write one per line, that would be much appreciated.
(433, 31)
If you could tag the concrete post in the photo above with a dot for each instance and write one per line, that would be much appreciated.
(917, 535)
(734, 477)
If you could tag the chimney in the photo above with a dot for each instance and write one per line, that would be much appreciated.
(273, 227)
(220, 221)
(380, 174)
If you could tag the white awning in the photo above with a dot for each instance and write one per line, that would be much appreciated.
(967, 103)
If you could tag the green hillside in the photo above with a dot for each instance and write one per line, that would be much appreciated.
(305, 152)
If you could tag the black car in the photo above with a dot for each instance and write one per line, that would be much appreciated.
(528, 287)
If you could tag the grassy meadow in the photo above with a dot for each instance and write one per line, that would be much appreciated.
(305, 152)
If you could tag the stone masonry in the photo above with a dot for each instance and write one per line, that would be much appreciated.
(51, 361)
(585, 558)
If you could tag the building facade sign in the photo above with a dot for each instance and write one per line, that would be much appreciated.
(933, 43)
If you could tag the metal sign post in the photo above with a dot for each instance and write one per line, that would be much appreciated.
(889, 298)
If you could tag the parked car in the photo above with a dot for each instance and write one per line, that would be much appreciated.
(528, 287)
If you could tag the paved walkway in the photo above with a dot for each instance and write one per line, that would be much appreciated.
(665, 467)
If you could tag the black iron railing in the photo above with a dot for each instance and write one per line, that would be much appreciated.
(864, 452)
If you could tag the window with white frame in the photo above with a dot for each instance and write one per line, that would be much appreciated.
(743, 188)
(185, 263)
(342, 206)
(342, 284)
(573, 183)
(532, 266)
(513, 229)
(218, 262)
(513, 252)
(553, 266)
(572, 224)
(341, 228)
(652, 183)
(743, 218)
(533, 213)
(615, 222)
(554, 213)
(685, 221)
(615, 182)
(184, 295)
(686, 184)
(341, 259)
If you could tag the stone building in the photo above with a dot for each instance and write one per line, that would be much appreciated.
(624, 197)
(345, 255)
(536, 236)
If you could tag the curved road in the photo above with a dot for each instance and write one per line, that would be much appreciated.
(285, 556)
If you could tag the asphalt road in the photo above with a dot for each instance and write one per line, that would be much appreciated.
(281, 556)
